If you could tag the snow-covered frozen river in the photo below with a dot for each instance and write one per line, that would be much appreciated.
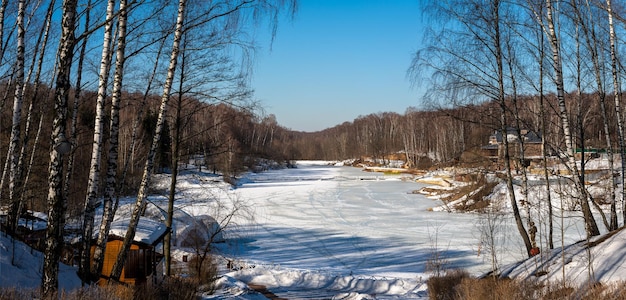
(345, 220)
(341, 220)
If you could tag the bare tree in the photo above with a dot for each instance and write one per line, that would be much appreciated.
(176, 143)
(480, 75)
(56, 199)
(618, 111)
(3, 9)
(78, 88)
(96, 152)
(111, 190)
(224, 212)
(37, 63)
(145, 181)
(555, 44)
(594, 49)
(13, 153)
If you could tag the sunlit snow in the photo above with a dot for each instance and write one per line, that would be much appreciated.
(324, 231)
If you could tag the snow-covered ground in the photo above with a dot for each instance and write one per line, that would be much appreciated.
(325, 231)
(333, 231)
(21, 267)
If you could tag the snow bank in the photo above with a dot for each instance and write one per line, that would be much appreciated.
(294, 283)
(20, 267)
(600, 260)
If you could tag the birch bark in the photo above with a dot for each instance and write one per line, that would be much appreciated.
(590, 223)
(111, 176)
(56, 199)
(13, 154)
(618, 111)
(149, 166)
(96, 152)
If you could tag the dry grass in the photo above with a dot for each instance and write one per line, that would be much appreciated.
(14, 293)
(446, 287)
(458, 285)
(171, 288)
(494, 288)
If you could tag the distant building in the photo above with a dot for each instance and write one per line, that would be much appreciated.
(531, 142)
(31, 227)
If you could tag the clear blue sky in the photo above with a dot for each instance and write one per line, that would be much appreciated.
(337, 60)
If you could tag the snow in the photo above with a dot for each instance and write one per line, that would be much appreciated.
(148, 231)
(21, 267)
(324, 230)
(574, 265)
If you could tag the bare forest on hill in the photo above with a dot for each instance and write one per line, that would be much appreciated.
(203, 138)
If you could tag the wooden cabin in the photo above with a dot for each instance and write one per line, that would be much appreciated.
(145, 254)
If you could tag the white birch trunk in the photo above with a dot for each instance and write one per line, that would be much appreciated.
(503, 125)
(145, 181)
(13, 155)
(590, 223)
(111, 176)
(77, 98)
(3, 8)
(96, 152)
(42, 43)
(592, 45)
(56, 199)
(618, 100)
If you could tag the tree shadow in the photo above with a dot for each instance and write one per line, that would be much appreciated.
(339, 262)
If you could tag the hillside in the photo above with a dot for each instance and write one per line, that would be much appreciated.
(20, 267)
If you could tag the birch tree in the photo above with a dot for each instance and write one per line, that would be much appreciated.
(618, 111)
(96, 152)
(36, 66)
(511, 62)
(595, 50)
(145, 181)
(111, 175)
(469, 63)
(13, 153)
(176, 132)
(78, 88)
(3, 9)
(204, 15)
(544, 146)
(555, 44)
(56, 199)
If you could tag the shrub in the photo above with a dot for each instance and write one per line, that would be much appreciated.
(498, 288)
(107, 292)
(171, 288)
(445, 287)
(14, 293)
(204, 269)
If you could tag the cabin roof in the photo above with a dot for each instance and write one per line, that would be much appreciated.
(148, 232)
(529, 136)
